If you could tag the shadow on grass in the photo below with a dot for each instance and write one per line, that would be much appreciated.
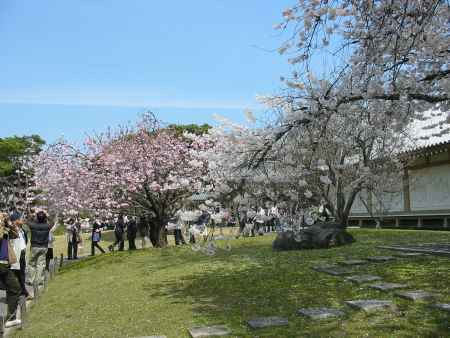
(252, 281)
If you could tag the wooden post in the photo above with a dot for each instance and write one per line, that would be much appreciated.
(2, 326)
(52, 269)
(21, 310)
(46, 278)
(397, 222)
(360, 223)
(35, 290)
(419, 222)
(62, 260)
(445, 222)
(406, 190)
(56, 265)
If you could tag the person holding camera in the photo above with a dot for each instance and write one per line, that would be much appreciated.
(20, 249)
(7, 276)
(40, 231)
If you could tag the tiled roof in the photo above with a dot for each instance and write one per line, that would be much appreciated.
(431, 135)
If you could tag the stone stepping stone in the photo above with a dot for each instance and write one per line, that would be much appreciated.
(353, 262)
(444, 307)
(371, 305)
(209, 331)
(410, 254)
(417, 295)
(261, 323)
(360, 279)
(333, 270)
(381, 259)
(388, 286)
(321, 313)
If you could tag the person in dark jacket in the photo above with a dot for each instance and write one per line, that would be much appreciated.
(40, 231)
(73, 238)
(119, 231)
(131, 234)
(144, 231)
(96, 237)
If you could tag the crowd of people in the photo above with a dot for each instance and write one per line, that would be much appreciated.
(251, 221)
(21, 271)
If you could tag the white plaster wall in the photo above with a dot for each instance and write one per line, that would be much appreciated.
(430, 188)
(390, 202)
(358, 206)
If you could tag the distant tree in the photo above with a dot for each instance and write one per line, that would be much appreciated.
(195, 129)
(15, 147)
(16, 185)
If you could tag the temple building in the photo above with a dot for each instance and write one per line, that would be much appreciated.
(424, 199)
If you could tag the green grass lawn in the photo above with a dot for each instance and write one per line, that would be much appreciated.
(151, 292)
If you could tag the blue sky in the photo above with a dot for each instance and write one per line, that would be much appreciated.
(70, 67)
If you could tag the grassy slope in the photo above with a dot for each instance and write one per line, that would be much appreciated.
(166, 291)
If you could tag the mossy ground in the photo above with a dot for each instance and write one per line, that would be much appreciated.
(164, 292)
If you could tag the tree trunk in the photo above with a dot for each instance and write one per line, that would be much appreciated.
(158, 234)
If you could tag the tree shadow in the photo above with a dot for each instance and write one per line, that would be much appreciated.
(253, 281)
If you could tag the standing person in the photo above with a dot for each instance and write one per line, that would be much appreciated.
(40, 231)
(261, 221)
(179, 239)
(251, 220)
(20, 248)
(96, 237)
(119, 231)
(73, 238)
(7, 276)
(242, 219)
(144, 231)
(51, 239)
(274, 216)
(131, 233)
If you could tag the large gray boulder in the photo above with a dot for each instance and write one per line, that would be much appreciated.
(318, 236)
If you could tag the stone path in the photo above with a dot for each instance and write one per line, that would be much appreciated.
(437, 249)
(333, 270)
(418, 295)
(371, 305)
(360, 279)
(444, 307)
(353, 262)
(387, 286)
(410, 254)
(209, 331)
(321, 313)
(261, 323)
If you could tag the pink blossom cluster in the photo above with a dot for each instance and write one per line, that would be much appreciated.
(144, 168)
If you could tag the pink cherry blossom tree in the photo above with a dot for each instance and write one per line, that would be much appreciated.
(141, 170)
